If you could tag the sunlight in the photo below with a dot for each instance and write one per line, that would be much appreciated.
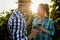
(5, 5)
(10, 4)
(34, 8)
(36, 3)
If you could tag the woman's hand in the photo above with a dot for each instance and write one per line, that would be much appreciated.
(43, 29)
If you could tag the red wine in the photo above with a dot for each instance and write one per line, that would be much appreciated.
(39, 24)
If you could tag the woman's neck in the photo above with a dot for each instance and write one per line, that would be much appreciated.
(41, 18)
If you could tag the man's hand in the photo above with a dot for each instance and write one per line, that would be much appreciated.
(33, 34)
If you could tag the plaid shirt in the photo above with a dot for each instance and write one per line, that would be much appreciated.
(17, 26)
(48, 24)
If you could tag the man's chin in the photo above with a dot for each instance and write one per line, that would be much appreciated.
(26, 11)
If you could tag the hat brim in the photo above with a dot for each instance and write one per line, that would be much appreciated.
(23, 3)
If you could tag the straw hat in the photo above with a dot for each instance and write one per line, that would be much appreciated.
(23, 1)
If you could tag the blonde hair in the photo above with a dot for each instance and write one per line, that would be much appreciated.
(45, 8)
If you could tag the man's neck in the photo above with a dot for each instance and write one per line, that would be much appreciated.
(21, 10)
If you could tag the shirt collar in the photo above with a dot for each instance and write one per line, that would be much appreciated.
(43, 19)
(17, 12)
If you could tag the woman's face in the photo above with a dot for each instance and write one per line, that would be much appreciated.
(40, 11)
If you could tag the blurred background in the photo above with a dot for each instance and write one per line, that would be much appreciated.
(8, 6)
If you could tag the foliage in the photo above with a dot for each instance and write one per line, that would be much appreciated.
(3, 25)
(55, 14)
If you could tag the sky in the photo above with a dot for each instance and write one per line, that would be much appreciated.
(7, 4)
(10, 4)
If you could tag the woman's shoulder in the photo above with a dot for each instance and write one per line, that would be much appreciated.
(51, 20)
(35, 19)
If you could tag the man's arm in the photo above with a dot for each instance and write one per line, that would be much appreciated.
(33, 34)
(29, 20)
(16, 28)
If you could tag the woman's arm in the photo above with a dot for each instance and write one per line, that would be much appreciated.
(51, 30)
(43, 29)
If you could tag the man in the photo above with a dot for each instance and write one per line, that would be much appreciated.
(16, 24)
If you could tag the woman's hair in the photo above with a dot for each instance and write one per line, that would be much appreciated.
(45, 8)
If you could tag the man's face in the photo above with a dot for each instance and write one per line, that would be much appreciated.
(27, 7)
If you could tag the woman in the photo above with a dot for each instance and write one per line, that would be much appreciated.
(43, 24)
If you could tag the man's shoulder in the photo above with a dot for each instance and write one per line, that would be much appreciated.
(15, 15)
(12, 16)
